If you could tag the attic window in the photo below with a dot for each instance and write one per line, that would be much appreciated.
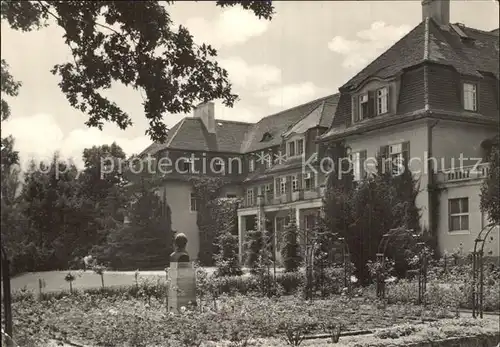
(266, 137)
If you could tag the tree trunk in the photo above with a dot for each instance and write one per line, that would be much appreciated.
(7, 300)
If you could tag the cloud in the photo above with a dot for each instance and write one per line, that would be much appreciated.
(370, 43)
(240, 112)
(252, 77)
(293, 94)
(233, 26)
(39, 136)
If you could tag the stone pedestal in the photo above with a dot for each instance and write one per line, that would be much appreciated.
(182, 291)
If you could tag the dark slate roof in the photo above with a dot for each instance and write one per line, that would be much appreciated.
(440, 44)
(190, 134)
(278, 123)
(238, 137)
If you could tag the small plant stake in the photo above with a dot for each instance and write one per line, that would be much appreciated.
(70, 278)
(99, 269)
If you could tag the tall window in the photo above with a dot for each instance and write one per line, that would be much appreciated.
(291, 148)
(295, 148)
(250, 197)
(308, 181)
(282, 188)
(193, 206)
(382, 96)
(295, 183)
(458, 214)
(363, 106)
(470, 97)
(268, 160)
(300, 147)
(251, 164)
(396, 158)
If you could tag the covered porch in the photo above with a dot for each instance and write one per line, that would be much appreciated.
(274, 219)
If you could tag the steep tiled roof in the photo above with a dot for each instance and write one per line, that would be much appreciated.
(278, 123)
(191, 134)
(469, 51)
(238, 137)
(441, 44)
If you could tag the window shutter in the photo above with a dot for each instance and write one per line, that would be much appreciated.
(255, 193)
(406, 151)
(355, 112)
(362, 159)
(371, 104)
(391, 96)
(277, 186)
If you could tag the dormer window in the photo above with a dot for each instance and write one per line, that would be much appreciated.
(266, 137)
(470, 96)
(382, 96)
(370, 104)
(295, 148)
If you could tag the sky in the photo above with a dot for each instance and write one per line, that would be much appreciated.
(308, 50)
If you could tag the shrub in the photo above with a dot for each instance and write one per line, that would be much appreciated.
(291, 248)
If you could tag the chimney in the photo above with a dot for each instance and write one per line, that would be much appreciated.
(205, 112)
(439, 10)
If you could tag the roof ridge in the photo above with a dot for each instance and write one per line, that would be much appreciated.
(488, 32)
(233, 121)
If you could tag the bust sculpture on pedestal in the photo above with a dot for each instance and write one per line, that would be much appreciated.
(182, 289)
(179, 255)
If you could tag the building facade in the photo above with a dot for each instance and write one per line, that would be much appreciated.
(431, 99)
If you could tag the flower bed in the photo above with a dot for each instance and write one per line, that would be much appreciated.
(100, 320)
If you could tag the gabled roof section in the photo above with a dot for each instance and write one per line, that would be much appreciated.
(278, 123)
(321, 116)
(472, 54)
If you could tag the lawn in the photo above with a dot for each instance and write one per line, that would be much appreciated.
(54, 280)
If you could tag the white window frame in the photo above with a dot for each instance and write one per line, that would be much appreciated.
(355, 159)
(309, 176)
(250, 196)
(470, 96)
(460, 215)
(382, 100)
(362, 99)
(395, 155)
(251, 164)
(295, 183)
(295, 143)
(282, 183)
(302, 147)
(268, 161)
(193, 202)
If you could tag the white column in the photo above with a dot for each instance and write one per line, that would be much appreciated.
(241, 235)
